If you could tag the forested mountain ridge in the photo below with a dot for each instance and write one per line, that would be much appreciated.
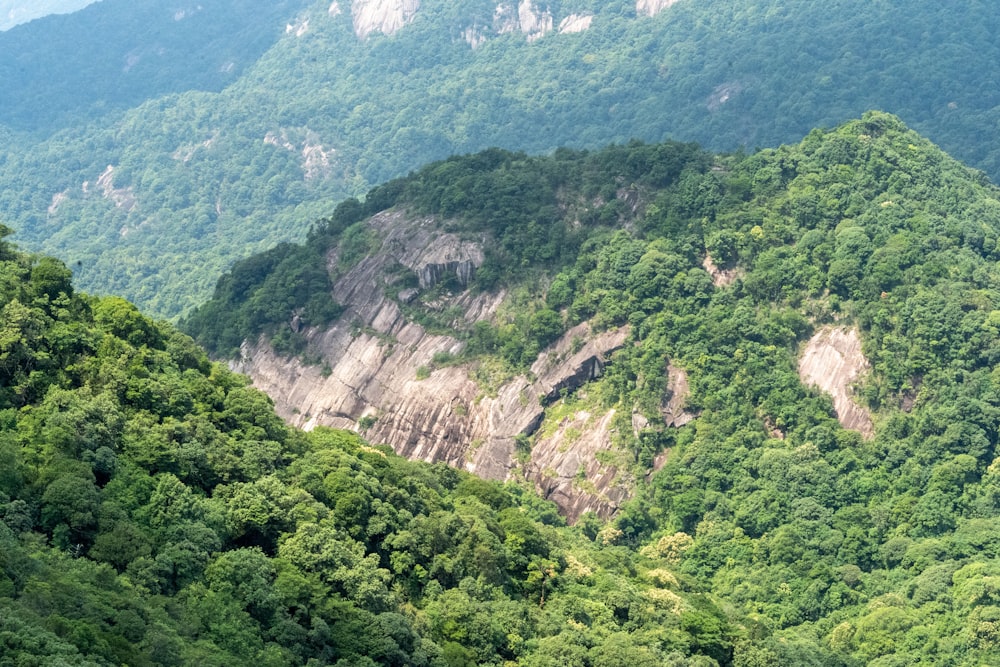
(201, 178)
(114, 55)
(15, 12)
(155, 511)
(871, 546)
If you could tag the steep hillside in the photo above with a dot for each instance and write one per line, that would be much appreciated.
(155, 511)
(583, 320)
(354, 93)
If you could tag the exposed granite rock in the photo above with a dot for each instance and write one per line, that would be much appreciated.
(317, 161)
(474, 36)
(832, 360)
(123, 198)
(524, 17)
(385, 16)
(575, 23)
(652, 7)
(374, 359)
(422, 247)
(567, 470)
(720, 277)
(299, 28)
(675, 399)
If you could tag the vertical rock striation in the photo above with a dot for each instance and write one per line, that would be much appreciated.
(383, 373)
(384, 16)
(833, 361)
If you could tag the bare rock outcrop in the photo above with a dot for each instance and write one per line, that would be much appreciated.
(123, 198)
(575, 23)
(523, 17)
(720, 277)
(567, 470)
(652, 7)
(316, 160)
(384, 16)
(474, 36)
(833, 361)
(390, 378)
(674, 408)
(299, 28)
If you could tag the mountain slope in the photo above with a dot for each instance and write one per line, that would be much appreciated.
(70, 70)
(725, 278)
(155, 511)
(203, 179)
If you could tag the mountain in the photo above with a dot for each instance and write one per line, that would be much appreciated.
(785, 359)
(211, 164)
(69, 70)
(155, 511)
(15, 12)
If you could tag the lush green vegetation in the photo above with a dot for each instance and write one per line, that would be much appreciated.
(538, 211)
(117, 54)
(829, 549)
(208, 189)
(155, 511)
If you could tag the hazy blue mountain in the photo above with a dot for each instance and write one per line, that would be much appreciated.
(14, 12)
(73, 69)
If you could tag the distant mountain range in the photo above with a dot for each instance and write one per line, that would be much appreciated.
(15, 12)
(153, 148)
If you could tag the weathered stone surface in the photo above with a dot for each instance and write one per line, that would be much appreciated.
(524, 17)
(561, 368)
(422, 247)
(675, 399)
(575, 23)
(720, 277)
(652, 7)
(385, 16)
(374, 359)
(123, 198)
(566, 468)
(832, 360)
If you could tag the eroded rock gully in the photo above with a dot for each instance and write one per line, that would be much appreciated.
(379, 370)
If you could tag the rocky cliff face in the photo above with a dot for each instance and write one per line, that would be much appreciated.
(385, 16)
(833, 361)
(525, 17)
(652, 7)
(388, 376)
